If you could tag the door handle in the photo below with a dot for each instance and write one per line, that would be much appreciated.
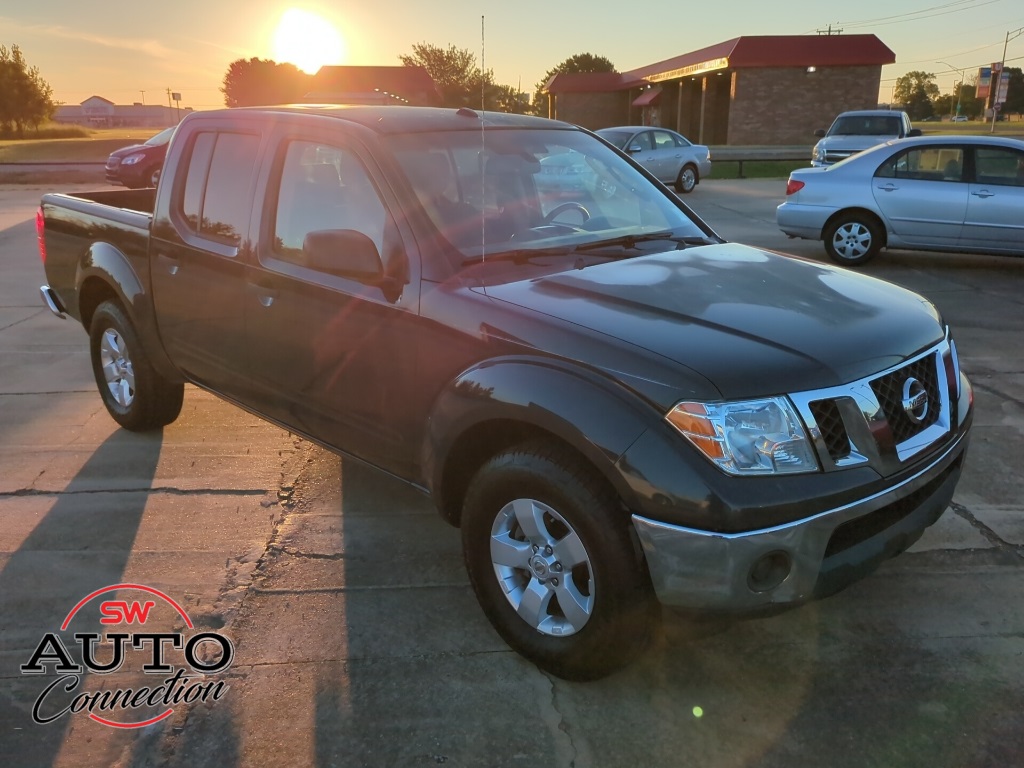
(890, 187)
(170, 263)
(983, 193)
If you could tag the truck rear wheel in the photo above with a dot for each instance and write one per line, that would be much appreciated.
(136, 396)
(554, 566)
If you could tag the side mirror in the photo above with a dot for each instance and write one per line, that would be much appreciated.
(820, 133)
(913, 132)
(634, 148)
(344, 253)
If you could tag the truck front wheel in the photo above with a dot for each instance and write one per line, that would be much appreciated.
(136, 396)
(554, 566)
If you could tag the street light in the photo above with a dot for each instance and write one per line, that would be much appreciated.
(997, 82)
(959, 87)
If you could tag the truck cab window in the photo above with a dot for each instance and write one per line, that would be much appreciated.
(216, 200)
(323, 187)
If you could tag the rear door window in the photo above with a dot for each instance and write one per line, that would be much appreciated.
(215, 201)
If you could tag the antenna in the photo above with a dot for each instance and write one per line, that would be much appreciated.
(483, 66)
(483, 150)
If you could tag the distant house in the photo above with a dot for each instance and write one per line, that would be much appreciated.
(374, 85)
(770, 89)
(100, 112)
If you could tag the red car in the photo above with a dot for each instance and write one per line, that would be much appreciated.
(140, 164)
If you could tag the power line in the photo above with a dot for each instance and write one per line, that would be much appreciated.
(924, 13)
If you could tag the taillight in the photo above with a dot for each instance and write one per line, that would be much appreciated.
(793, 186)
(40, 235)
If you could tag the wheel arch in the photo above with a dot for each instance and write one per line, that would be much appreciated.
(105, 274)
(493, 407)
(859, 211)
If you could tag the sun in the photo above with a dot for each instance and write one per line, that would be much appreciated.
(306, 40)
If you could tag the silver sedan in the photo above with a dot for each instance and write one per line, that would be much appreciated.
(940, 193)
(671, 157)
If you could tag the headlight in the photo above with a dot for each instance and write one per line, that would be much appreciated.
(751, 437)
(132, 159)
(818, 153)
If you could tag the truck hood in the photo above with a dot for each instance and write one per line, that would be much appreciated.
(853, 143)
(751, 322)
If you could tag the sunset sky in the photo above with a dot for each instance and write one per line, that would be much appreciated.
(119, 49)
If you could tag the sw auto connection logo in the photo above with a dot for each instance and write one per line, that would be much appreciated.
(184, 665)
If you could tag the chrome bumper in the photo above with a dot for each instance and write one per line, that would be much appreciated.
(52, 302)
(790, 564)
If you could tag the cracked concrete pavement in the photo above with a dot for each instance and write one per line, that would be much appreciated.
(356, 635)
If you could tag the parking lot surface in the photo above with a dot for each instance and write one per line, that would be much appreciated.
(357, 640)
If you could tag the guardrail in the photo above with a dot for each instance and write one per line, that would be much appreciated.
(741, 155)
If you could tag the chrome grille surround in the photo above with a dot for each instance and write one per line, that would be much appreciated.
(862, 423)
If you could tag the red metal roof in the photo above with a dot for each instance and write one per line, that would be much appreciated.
(591, 82)
(782, 51)
(647, 98)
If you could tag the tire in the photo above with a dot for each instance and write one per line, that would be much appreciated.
(135, 395)
(554, 565)
(687, 179)
(152, 175)
(852, 239)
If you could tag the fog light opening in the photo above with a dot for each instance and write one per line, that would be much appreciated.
(769, 571)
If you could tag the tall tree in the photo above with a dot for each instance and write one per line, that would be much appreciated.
(26, 99)
(915, 91)
(453, 70)
(259, 82)
(579, 64)
(1015, 92)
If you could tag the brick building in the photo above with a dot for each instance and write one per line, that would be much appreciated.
(749, 90)
(100, 112)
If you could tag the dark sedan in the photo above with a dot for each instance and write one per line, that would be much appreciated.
(140, 164)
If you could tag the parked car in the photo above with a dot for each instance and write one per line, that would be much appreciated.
(140, 164)
(615, 405)
(960, 119)
(857, 130)
(941, 193)
(670, 156)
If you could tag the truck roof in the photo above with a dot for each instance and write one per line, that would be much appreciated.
(391, 119)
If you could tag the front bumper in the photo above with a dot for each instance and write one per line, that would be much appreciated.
(789, 564)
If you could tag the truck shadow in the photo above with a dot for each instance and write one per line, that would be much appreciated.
(81, 543)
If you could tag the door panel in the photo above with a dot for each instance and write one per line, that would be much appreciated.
(333, 357)
(922, 196)
(995, 203)
(197, 258)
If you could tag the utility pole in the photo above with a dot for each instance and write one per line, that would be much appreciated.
(959, 87)
(828, 32)
(997, 83)
(143, 96)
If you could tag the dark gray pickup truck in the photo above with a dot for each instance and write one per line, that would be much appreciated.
(618, 408)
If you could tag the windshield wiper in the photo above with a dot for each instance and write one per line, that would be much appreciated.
(626, 242)
(629, 242)
(520, 255)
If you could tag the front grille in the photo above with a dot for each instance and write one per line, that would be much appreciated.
(865, 422)
(889, 391)
(833, 430)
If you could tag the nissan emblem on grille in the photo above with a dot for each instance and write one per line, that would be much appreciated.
(915, 400)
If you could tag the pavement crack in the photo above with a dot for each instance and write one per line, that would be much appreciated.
(169, 490)
(567, 751)
(991, 536)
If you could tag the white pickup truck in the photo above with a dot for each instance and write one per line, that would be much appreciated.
(853, 132)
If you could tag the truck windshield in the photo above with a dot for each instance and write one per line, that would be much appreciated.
(866, 126)
(516, 190)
